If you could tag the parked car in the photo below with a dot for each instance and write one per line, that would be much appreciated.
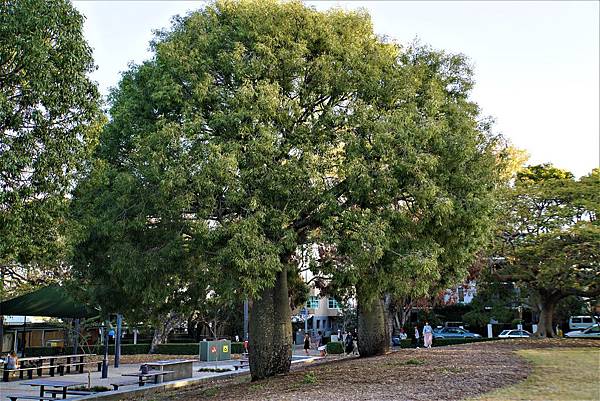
(590, 332)
(581, 322)
(514, 334)
(454, 332)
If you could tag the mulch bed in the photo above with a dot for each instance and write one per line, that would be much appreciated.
(444, 373)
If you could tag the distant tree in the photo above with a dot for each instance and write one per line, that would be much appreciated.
(550, 238)
(49, 122)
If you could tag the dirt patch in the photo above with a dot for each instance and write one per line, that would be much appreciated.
(445, 373)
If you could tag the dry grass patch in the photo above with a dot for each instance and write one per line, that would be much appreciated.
(558, 374)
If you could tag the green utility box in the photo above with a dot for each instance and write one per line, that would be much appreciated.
(215, 350)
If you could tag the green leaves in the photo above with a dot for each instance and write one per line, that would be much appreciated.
(49, 122)
(551, 233)
(259, 128)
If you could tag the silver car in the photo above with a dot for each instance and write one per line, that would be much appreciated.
(514, 334)
(590, 332)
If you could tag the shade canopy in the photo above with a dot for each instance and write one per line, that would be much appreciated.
(51, 301)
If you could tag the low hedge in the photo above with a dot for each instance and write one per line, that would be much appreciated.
(335, 347)
(237, 348)
(441, 342)
(131, 349)
(43, 351)
(178, 349)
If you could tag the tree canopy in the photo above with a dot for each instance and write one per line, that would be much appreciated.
(550, 237)
(49, 121)
(259, 127)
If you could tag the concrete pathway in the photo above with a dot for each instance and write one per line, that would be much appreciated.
(20, 387)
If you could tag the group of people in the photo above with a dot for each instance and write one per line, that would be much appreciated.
(427, 336)
(349, 341)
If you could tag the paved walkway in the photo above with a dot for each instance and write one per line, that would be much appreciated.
(20, 387)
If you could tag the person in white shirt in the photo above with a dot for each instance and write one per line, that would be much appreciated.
(427, 335)
(416, 336)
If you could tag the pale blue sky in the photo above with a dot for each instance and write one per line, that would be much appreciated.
(536, 63)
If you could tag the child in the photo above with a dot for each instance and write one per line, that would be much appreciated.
(416, 336)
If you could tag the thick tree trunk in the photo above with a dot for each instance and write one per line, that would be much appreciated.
(545, 328)
(270, 331)
(372, 327)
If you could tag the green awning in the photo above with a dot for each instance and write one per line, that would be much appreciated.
(51, 301)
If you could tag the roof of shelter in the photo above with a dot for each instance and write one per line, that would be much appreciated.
(51, 301)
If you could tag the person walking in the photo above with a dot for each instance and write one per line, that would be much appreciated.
(349, 343)
(321, 344)
(306, 343)
(427, 335)
(416, 336)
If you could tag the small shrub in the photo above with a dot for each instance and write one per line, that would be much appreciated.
(211, 392)
(95, 389)
(414, 362)
(335, 347)
(216, 370)
(309, 378)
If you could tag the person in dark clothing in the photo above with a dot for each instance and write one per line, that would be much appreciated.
(349, 343)
(306, 343)
(416, 340)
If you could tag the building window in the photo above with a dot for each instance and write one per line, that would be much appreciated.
(318, 324)
(332, 304)
(461, 294)
(312, 303)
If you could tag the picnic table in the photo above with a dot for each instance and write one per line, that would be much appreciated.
(63, 384)
(142, 377)
(180, 368)
(29, 364)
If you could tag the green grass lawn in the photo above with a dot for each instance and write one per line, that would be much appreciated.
(558, 374)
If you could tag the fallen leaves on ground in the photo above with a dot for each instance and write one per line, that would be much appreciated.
(444, 373)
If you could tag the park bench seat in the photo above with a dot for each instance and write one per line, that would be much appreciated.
(29, 370)
(69, 392)
(126, 383)
(30, 397)
(79, 365)
(241, 364)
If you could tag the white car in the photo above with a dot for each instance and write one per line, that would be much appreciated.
(515, 334)
(590, 332)
(581, 322)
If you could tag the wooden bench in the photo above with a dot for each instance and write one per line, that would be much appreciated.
(145, 377)
(142, 379)
(30, 397)
(69, 392)
(49, 367)
(241, 364)
(66, 367)
(125, 383)
(29, 370)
